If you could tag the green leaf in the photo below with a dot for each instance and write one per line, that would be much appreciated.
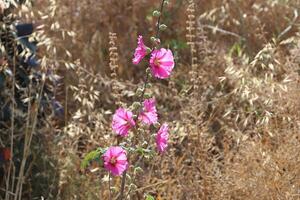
(91, 156)
(149, 197)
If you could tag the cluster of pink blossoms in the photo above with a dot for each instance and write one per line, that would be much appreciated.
(161, 65)
(161, 60)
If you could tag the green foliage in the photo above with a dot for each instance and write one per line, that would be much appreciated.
(149, 197)
(92, 156)
(236, 49)
(146, 153)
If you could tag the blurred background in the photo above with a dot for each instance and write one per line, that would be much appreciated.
(232, 100)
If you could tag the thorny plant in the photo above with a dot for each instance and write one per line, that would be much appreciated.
(134, 126)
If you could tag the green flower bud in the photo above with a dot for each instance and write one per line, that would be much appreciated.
(148, 85)
(149, 74)
(163, 27)
(153, 39)
(156, 13)
(139, 91)
(149, 50)
(136, 105)
(148, 71)
(147, 95)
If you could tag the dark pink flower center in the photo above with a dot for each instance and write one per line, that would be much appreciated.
(128, 124)
(156, 62)
(113, 160)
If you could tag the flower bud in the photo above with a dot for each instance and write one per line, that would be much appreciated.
(148, 85)
(136, 105)
(156, 125)
(139, 91)
(157, 41)
(156, 13)
(148, 50)
(149, 74)
(147, 95)
(163, 27)
(153, 39)
(148, 71)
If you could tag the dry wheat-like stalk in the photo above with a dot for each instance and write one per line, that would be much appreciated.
(191, 39)
(114, 66)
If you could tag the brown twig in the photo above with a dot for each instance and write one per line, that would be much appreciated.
(12, 122)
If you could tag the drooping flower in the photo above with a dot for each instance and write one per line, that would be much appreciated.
(140, 51)
(115, 160)
(161, 63)
(162, 138)
(149, 115)
(122, 121)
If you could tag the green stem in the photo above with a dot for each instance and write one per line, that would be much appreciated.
(159, 18)
(109, 186)
(142, 95)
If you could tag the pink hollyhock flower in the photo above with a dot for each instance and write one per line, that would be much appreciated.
(122, 121)
(162, 63)
(162, 138)
(140, 51)
(115, 160)
(149, 115)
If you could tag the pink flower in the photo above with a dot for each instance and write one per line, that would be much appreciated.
(115, 160)
(122, 121)
(162, 138)
(140, 51)
(162, 63)
(149, 115)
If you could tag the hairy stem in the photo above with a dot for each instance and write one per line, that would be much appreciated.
(109, 186)
(143, 93)
(159, 18)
